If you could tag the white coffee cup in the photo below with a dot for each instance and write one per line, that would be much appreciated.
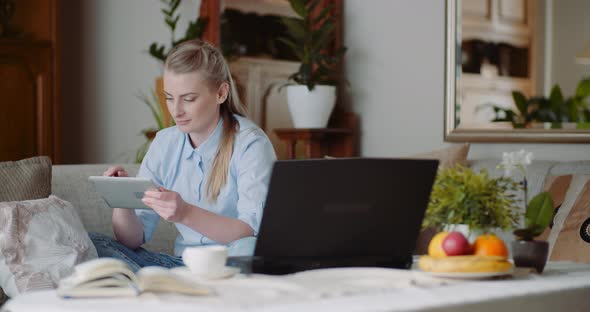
(205, 260)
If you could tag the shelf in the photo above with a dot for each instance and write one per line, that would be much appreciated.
(319, 142)
(262, 7)
(520, 39)
(477, 81)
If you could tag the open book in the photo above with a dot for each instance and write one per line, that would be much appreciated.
(108, 277)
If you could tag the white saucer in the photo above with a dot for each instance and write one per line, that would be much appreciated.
(227, 272)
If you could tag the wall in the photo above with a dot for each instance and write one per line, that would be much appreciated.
(571, 20)
(104, 66)
(395, 66)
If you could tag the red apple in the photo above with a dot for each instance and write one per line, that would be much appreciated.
(456, 244)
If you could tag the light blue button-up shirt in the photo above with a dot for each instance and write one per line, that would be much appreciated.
(171, 162)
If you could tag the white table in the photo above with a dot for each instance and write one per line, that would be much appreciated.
(563, 287)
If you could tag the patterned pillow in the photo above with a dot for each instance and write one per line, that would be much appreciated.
(569, 239)
(557, 186)
(40, 242)
(25, 179)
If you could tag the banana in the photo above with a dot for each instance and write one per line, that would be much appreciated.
(463, 264)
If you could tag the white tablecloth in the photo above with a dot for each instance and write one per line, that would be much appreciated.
(562, 287)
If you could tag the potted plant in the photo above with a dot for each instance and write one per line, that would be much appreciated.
(527, 252)
(552, 112)
(312, 94)
(159, 114)
(476, 200)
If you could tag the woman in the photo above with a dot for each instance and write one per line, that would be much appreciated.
(213, 166)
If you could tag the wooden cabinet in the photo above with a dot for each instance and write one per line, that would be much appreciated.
(509, 21)
(498, 56)
(29, 84)
(27, 122)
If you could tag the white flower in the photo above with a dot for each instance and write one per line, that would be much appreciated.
(516, 160)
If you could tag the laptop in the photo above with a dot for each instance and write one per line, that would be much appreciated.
(350, 212)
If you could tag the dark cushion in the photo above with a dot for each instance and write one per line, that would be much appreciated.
(25, 179)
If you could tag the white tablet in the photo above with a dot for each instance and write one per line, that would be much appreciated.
(122, 192)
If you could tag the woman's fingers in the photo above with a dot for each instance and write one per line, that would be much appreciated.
(158, 202)
(155, 194)
(116, 171)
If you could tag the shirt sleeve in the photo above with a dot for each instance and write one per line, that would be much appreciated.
(253, 175)
(149, 169)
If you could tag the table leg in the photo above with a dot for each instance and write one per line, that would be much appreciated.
(291, 144)
(313, 149)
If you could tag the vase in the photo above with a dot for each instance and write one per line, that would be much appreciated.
(530, 254)
(311, 109)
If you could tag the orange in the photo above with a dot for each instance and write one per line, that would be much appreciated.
(435, 246)
(489, 245)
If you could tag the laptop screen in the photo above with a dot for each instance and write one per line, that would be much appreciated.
(345, 208)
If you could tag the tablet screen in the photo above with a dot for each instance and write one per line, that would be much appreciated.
(122, 192)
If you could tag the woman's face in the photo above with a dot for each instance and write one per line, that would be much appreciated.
(192, 102)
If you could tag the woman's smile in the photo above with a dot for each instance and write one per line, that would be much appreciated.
(182, 122)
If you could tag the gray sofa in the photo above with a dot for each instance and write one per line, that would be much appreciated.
(70, 182)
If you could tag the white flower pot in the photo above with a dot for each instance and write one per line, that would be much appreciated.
(311, 109)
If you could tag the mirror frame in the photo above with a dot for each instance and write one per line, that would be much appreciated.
(453, 134)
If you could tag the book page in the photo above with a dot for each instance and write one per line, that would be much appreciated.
(161, 280)
(98, 269)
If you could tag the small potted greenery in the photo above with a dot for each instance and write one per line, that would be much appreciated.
(527, 252)
(482, 203)
(159, 114)
(312, 94)
(554, 111)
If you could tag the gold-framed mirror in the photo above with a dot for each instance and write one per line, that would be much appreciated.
(495, 47)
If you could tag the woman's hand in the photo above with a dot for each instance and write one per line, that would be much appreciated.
(127, 227)
(116, 171)
(168, 204)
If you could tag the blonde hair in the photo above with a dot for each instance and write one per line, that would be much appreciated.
(200, 56)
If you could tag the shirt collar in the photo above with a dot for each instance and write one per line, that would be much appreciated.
(208, 148)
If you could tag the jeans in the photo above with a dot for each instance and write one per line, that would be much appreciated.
(108, 247)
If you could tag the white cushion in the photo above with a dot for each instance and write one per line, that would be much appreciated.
(40, 242)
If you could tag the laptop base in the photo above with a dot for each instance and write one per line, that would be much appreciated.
(288, 265)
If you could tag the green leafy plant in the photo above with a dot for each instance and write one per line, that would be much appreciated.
(194, 30)
(556, 108)
(462, 196)
(538, 216)
(309, 37)
(539, 211)
(153, 102)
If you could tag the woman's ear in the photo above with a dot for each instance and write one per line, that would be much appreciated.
(222, 93)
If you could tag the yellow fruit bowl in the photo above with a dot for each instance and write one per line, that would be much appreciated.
(465, 264)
